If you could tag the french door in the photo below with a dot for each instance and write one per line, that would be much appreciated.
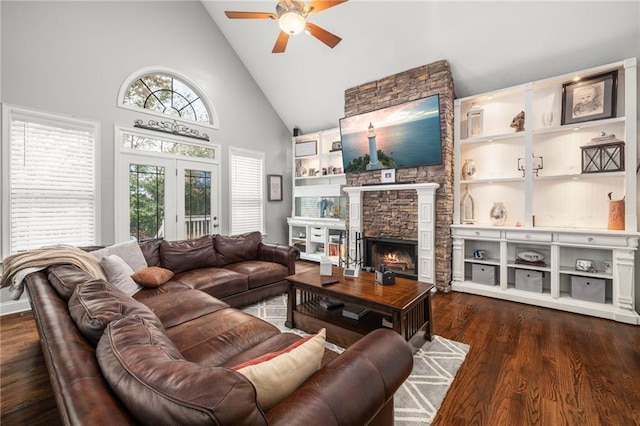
(164, 198)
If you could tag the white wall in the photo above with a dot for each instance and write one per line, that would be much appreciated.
(72, 57)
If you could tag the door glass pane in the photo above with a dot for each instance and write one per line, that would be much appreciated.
(197, 203)
(146, 201)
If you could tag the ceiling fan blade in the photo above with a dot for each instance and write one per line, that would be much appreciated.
(250, 15)
(281, 43)
(316, 6)
(323, 35)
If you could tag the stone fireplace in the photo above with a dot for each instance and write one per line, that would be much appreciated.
(395, 210)
(425, 224)
(399, 256)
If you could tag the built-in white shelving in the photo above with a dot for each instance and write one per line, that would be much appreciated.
(557, 211)
(317, 222)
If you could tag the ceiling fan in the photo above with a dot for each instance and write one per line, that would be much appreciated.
(292, 18)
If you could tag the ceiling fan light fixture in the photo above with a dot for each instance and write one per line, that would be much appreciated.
(292, 22)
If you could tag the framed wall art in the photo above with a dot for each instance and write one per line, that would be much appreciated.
(388, 176)
(592, 98)
(274, 183)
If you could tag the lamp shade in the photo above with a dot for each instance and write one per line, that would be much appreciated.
(292, 22)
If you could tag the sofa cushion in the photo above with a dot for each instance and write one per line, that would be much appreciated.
(260, 273)
(129, 251)
(94, 304)
(151, 252)
(170, 286)
(146, 371)
(152, 276)
(224, 335)
(65, 279)
(278, 374)
(186, 255)
(179, 307)
(119, 274)
(236, 248)
(217, 282)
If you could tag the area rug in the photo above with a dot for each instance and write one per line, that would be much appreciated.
(435, 365)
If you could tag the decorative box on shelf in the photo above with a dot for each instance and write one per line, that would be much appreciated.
(604, 153)
(587, 288)
(484, 274)
(529, 280)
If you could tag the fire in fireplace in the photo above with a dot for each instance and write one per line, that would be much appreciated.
(397, 255)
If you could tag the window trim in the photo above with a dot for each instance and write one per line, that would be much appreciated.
(249, 153)
(213, 115)
(8, 111)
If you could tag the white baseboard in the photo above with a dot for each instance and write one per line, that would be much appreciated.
(14, 306)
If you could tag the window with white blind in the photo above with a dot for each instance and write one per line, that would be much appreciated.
(247, 190)
(49, 180)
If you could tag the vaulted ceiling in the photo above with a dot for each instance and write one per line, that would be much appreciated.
(489, 45)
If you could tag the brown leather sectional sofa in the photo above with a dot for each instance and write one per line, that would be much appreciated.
(164, 356)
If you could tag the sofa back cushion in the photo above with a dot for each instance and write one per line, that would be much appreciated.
(65, 279)
(186, 255)
(237, 248)
(95, 303)
(155, 383)
(151, 252)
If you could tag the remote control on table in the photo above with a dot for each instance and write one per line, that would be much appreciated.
(330, 282)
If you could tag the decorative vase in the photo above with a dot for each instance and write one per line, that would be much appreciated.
(468, 170)
(498, 214)
(616, 214)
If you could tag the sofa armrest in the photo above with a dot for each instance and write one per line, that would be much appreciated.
(370, 371)
(284, 255)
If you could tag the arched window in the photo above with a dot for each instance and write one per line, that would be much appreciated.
(168, 94)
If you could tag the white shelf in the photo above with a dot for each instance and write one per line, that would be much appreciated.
(562, 213)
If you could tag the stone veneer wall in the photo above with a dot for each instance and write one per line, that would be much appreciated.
(394, 214)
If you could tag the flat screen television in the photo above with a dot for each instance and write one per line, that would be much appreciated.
(405, 135)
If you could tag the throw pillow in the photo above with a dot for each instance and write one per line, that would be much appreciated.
(152, 276)
(276, 375)
(129, 251)
(119, 273)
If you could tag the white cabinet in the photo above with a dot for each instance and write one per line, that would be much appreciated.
(316, 238)
(553, 208)
(317, 222)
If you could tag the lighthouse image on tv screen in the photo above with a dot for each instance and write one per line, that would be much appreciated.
(405, 135)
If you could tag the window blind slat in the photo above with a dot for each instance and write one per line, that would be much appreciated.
(247, 192)
(52, 181)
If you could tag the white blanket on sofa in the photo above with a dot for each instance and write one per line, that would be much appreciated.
(19, 265)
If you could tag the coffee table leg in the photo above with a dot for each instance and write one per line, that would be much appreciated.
(427, 315)
(291, 306)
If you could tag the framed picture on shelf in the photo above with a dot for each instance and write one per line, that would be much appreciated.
(584, 265)
(388, 176)
(592, 98)
(304, 149)
(274, 183)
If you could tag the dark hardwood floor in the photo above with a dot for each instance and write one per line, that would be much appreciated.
(526, 366)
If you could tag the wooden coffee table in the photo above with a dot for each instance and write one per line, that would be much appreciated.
(407, 303)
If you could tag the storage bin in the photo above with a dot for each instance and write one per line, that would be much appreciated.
(588, 288)
(529, 280)
(483, 274)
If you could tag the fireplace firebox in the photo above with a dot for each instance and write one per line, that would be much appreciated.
(399, 256)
